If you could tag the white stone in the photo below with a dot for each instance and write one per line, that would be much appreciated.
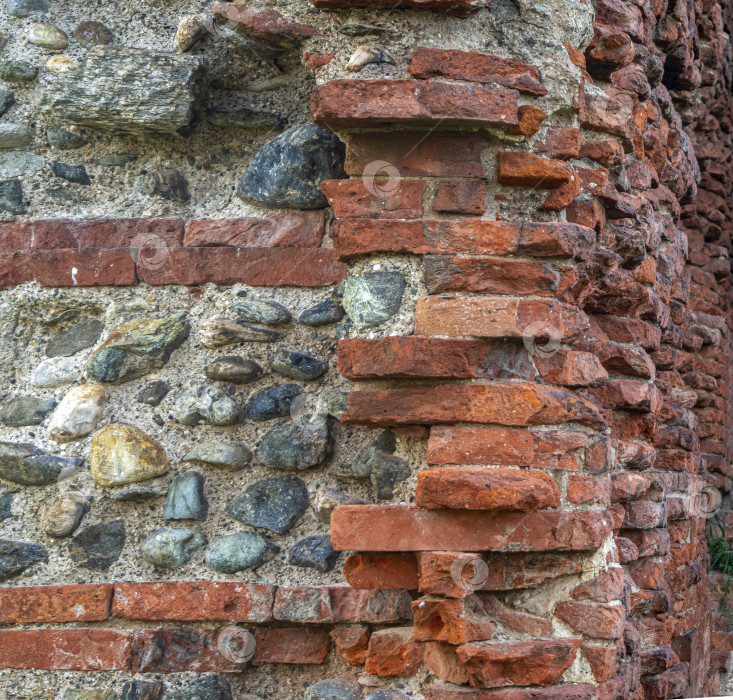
(55, 372)
(78, 413)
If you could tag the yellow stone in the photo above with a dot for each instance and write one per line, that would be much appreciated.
(61, 64)
(48, 36)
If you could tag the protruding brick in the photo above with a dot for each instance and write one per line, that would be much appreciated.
(370, 570)
(443, 662)
(571, 368)
(597, 621)
(521, 169)
(34, 604)
(351, 644)
(455, 621)
(393, 653)
(449, 6)
(375, 198)
(561, 142)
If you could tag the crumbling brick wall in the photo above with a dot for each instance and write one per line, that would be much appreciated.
(496, 453)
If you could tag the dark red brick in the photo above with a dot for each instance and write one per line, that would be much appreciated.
(294, 229)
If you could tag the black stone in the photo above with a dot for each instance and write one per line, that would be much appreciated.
(6, 503)
(82, 335)
(20, 411)
(314, 552)
(334, 689)
(27, 464)
(7, 100)
(16, 557)
(299, 444)
(72, 173)
(208, 688)
(273, 402)
(298, 365)
(275, 503)
(288, 171)
(322, 314)
(11, 197)
(152, 394)
(98, 546)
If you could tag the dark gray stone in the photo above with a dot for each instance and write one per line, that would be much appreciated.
(233, 553)
(334, 689)
(73, 173)
(6, 504)
(232, 456)
(65, 140)
(299, 444)
(92, 33)
(234, 369)
(244, 119)
(152, 394)
(288, 171)
(314, 552)
(262, 311)
(17, 72)
(377, 463)
(11, 197)
(28, 465)
(171, 547)
(186, 498)
(322, 314)
(115, 160)
(137, 495)
(7, 100)
(208, 404)
(15, 136)
(273, 402)
(373, 298)
(108, 94)
(141, 690)
(389, 694)
(297, 365)
(275, 503)
(16, 557)
(82, 335)
(208, 688)
(25, 8)
(19, 411)
(98, 546)
(166, 183)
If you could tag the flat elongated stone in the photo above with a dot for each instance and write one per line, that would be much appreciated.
(78, 337)
(234, 369)
(24, 8)
(16, 557)
(262, 311)
(106, 93)
(273, 402)
(19, 411)
(232, 456)
(298, 365)
(26, 464)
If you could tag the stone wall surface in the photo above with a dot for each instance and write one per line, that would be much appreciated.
(360, 349)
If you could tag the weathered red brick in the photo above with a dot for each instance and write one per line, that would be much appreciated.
(476, 67)
(290, 645)
(52, 234)
(607, 153)
(303, 604)
(298, 229)
(384, 606)
(603, 660)
(571, 368)
(371, 570)
(590, 214)
(455, 621)
(450, 6)
(406, 529)
(15, 235)
(194, 600)
(629, 330)
(351, 644)
(628, 394)
(481, 488)
(561, 142)
(393, 653)
(460, 196)
(514, 620)
(583, 489)
(531, 118)
(381, 198)
(565, 691)
(341, 104)
(512, 404)
(594, 620)
(443, 662)
(66, 649)
(32, 604)
(522, 169)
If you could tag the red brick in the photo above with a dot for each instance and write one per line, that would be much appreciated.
(531, 118)
(603, 660)
(412, 356)
(444, 273)
(82, 603)
(473, 445)
(15, 235)
(628, 394)
(194, 600)
(443, 662)
(611, 113)
(571, 368)
(379, 198)
(565, 691)
(471, 236)
(511, 404)
(590, 214)
(476, 67)
(351, 644)
(370, 606)
(406, 529)
(629, 330)
(481, 488)
(291, 645)
(460, 197)
(314, 61)
(535, 662)
(520, 169)
(293, 229)
(267, 267)
(450, 6)
(417, 154)
(370, 570)
(561, 142)
(342, 104)
(52, 234)
(454, 621)
(563, 196)
(587, 490)
(607, 153)
(393, 653)
(66, 649)
(597, 621)
(515, 621)
(303, 604)
(497, 317)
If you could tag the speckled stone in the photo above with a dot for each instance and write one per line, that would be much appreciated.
(334, 689)
(377, 463)
(207, 688)
(232, 456)
(6, 506)
(299, 444)
(83, 694)
(7, 100)
(19, 163)
(78, 413)
(171, 547)
(314, 552)
(25, 8)
(332, 403)
(166, 183)
(17, 72)
(137, 495)
(55, 372)
(16, 557)
(275, 503)
(98, 546)
(234, 369)
(206, 403)
(187, 498)
(244, 550)
(48, 36)
(15, 136)
(191, 28)
(11, 197)
(263, 311)
(218, 332)
(373, 298)
(61, 65)
(152, 394)
(19, 411)
(141, 690)
(79, 336)
(298, 365)
(61, 516)
(29, 465)
(273, 402)
(322, 314)
(72, 173)
(93, 33)
(64, 139)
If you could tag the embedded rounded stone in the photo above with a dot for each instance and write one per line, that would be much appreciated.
(388, 694)
(79, 336)
(98, 546)
(166, 183)
(29, 465)
(72, 173)
(232, 456)
(322, 314)
(332, 403)
(152, 394)
(55, 372)
(186, 498)
(298, 365)
(208, 404)
(137, 347)
(191, 28)
(25, 8)
(262, 311)
(78, 413)
(218, 332)
(207, 688)
(234, 369)
(334, 689)
(6, 506)
(288, 171)
(17, 72)
(11, 197)
(15, 136)
(373, 298)
(122, 454)
(171, 547)
(20, 411)
(48, 36)
(61, 516)
(93, 33)
(275, 503)
(66, 140)
(300, 444)
(244, 550)
(273, 402)
(314, 552)
(61, 65)
(16, 557)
